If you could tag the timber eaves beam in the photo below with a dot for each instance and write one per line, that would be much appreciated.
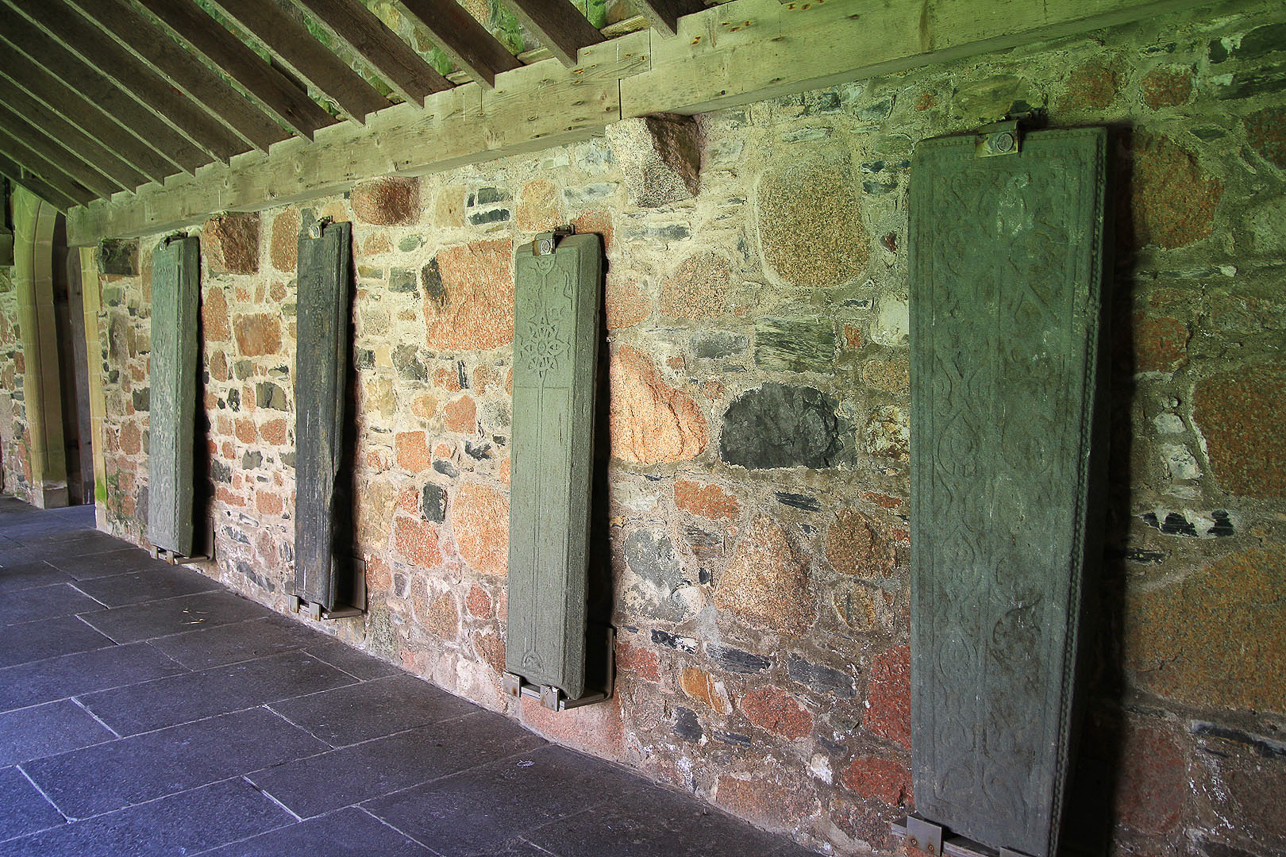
(749, 50)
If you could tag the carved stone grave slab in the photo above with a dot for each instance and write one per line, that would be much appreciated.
(1006, 281)
(176, 295)
(321, 371)
(556, 334)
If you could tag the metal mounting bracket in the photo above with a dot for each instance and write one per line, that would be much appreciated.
(547, 242)
(554, 698)
(316, 611)
(1001, 138)
(926, 838)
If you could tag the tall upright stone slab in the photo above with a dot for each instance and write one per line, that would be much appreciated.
(321, 374)
(1006, 284)
(176, 296)
(556, 334)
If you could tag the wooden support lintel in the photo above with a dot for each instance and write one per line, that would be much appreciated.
(747, 50)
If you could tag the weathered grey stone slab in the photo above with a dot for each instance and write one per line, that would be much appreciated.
(556, 334)
(321, 371)
(1006, 275)
(176, 294)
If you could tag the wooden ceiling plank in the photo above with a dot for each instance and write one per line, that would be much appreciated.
(113, 165)
(108, 59)
(45, 52)
(559, 25)
(290, 104)
(44, 170)
(151, 43)
(286, 38)
(68, 162)
(404, 69)
(462, 38)
(664, 15)
(16, 174)
(81, 112)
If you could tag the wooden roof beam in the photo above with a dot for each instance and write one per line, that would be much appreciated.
(108, 162)
(67, 162)
(78, 110)
(44, 51)
(113, 63)
(16, 174)
(405, 70)
(559, 25)
(786, 48)
(290, 104)
(151, 43)
(47, 172)
(469, 45)
(287, 39)
(664, 15)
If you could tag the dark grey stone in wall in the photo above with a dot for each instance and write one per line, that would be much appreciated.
(782, 426)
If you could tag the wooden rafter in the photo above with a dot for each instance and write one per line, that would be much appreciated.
(111, 164)
(469, 45)
(351, 22)
(664, 15)
(152, 44)
(78, 110)
(559, 25)
(290, 104)
(287, 39)
(44, 52)
(109, 60)
(46, 171)
(16, 174)
(68, 162)
(784, 49)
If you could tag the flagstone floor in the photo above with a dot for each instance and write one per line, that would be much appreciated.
(146, 710)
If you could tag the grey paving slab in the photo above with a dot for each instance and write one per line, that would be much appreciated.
(48, 639)
(40, 529)
(12, 553)
(348, 659)
(373, 709)
(346, 833)
(241, 641)
(654, 821)
(65, 541)
(81, 516)
(46, 730)
(136, 769)
(152, 584)
(195, 695)
(352, 774)
(22, 808)
(122, 560)
(484, 809)
(45, 602)
(82, 672)
(27, 575)
(180, 824)
(174, 615)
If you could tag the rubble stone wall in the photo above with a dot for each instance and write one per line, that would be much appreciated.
(755, 520)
